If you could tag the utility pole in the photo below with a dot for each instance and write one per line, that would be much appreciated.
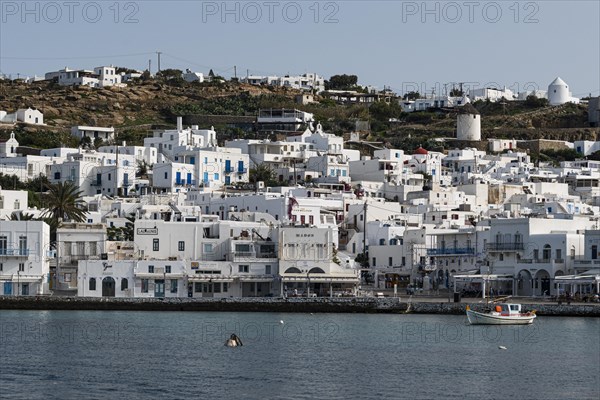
(235, 71)
(159, 53)
(365, 231)
(149, 67)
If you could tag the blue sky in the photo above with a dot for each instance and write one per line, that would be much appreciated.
(401, 44)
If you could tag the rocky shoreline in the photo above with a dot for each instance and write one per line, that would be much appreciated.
(302, 305)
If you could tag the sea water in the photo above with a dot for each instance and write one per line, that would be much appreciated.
(181, 355)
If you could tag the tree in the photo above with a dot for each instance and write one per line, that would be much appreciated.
(21, 216)
(262, 173)
(411, 96)
(170, 73)
(142, 169)
(64, 203)
(341, 82)
(532, 101)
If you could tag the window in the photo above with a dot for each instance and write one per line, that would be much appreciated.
(93, 249)
(208, 247)
(181, 246)
(390, 261)
(155, 244)
(217, 287)
(558, 254)
(225, 286)
(150, 269)
(22, 245)
(124, 284)
(374, 262)
(267, 270)
(198, 287)
(173, 285)
(501, 257)
(243, 268)
(1, 267)
(92, 285)
(21, 267)
(144, 285)
(167, 269)
(17, 205)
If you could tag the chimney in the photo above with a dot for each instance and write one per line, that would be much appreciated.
(179, 124)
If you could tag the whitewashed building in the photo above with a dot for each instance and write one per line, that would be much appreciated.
(24, 258)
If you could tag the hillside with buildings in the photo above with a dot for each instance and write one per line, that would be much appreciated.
(134, 110)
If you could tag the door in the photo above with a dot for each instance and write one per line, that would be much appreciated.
(159, 288)
(228, 180)
(178, 178)
(192, 160)
(25, 289)
(227, 165)
(240, 166)
(8, 288)
(206, 178)
(189, 178)
(108, 287)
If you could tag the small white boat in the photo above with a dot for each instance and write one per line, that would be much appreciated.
(503, 314)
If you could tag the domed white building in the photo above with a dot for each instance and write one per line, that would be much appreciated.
(558, 93)
(468, 125)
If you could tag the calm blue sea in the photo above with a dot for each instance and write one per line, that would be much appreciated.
(180, 355)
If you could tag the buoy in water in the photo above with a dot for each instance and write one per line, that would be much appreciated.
(233, 341)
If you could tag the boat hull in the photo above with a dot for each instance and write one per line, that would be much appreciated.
(477, 318)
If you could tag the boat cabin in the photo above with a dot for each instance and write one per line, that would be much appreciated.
(508, 309)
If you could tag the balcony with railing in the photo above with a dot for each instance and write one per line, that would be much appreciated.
(96, 183)
(504, 246)
(229, 170)
(11, 252)
(452, 251)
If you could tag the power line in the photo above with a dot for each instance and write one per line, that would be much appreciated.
(76, 58)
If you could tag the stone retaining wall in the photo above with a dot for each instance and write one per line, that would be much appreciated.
(320, 305)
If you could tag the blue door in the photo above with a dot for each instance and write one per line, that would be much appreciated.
(8, 288)
(228, 180)
(240, 166)
(192, 160)
(227, 165)
(178, 178)
(189, 178)
(206, 177)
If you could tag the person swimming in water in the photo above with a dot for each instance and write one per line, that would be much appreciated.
(233, 341)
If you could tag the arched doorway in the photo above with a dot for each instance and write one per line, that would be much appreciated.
(524, 283)
(108, 287)
(542, 283)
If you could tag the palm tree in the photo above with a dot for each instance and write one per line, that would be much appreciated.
(262, 172)
(21, 216)
(64, 203)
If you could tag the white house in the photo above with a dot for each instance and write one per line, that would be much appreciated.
(93, 132)
(25, 115)
(76, 242)
(190, 76)
(24, 258)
